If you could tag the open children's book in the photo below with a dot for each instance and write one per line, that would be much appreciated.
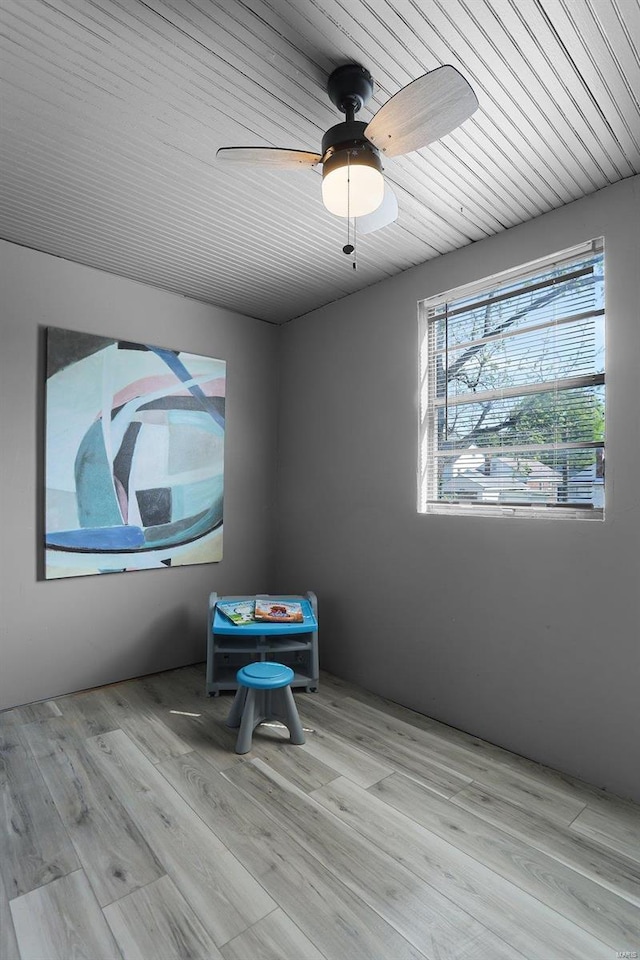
(266, 609)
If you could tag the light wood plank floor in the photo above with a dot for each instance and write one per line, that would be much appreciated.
(131, 829)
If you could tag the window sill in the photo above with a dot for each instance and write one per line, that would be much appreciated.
(537, 512)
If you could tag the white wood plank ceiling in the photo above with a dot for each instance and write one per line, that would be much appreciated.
(112, 112)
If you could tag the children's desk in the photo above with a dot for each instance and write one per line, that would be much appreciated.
(231, 646)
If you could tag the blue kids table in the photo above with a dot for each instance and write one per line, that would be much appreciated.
(231, 646)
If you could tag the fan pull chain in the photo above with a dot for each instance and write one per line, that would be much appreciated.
(348, 192)
(355, 242)
(349, 248)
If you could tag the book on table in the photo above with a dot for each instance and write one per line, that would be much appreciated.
(273, 610)
(238, 611)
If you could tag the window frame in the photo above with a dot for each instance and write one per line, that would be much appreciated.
(434, 308)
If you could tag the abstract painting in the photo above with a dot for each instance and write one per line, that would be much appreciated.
(134, 459)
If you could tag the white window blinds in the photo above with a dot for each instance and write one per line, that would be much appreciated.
(512, 411)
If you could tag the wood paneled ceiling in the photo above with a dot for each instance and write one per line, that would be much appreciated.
(112, 112)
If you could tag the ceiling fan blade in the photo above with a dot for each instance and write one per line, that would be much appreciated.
(386, 213)
(423, 111)
(274, 157)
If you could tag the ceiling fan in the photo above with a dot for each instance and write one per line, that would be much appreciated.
(352, 183)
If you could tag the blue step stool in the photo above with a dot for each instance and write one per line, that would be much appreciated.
(264, 693)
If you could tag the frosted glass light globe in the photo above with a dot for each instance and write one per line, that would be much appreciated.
(352, 190)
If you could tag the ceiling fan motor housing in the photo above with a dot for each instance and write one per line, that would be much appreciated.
(348, 136)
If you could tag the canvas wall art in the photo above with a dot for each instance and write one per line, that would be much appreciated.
(134, 460)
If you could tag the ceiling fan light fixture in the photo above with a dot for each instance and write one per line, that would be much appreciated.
(352, 182)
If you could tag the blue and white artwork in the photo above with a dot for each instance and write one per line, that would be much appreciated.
(134, 462)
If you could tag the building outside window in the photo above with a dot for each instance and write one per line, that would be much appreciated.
(513, 392)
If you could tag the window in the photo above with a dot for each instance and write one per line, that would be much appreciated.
(512, 392)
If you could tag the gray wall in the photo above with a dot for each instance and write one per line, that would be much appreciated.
(523, 632)
(63, 635)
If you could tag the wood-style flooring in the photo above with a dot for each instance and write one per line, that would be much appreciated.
(131, 829)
